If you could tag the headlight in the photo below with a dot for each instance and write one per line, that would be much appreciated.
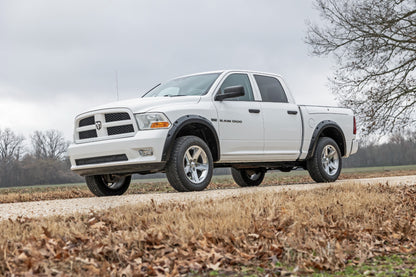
(148, 121)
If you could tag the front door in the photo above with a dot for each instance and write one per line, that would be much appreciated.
(240, 122)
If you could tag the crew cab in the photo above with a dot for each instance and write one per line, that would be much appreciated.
(185, 127)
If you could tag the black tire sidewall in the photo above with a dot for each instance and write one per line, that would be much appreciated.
(242, 179)
(98, 187)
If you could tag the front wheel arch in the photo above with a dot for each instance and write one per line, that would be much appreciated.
(194, 125)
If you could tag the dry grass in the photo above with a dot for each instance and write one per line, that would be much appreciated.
(323, 229)
(24, 194)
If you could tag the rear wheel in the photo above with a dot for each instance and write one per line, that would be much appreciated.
(248, 177)
(108, 185)
(190, 165)
(325, 165)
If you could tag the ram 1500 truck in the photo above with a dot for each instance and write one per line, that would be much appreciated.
(185, 127)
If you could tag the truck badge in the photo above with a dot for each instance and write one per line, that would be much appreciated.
(98, 125)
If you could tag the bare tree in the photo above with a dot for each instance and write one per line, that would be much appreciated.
(11, 146)
(374, 42)
(49, 144)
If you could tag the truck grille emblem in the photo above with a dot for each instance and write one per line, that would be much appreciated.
(98, 125)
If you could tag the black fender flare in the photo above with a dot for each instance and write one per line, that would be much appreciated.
(182, 122)
(320, 128)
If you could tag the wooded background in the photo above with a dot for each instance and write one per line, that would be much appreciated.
(41, 159)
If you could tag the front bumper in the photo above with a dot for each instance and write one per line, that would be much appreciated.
(116, 156)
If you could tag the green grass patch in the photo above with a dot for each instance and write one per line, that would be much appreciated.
(392, 265)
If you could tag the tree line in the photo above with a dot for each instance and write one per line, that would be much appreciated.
(43, 161)
(399, 149)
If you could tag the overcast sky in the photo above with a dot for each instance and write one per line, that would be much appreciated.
(59, 58)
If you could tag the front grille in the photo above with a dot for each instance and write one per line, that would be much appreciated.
(88, 134)
(120, 130)
(101, 160)
(105, 124)
(111, 117)
(86, 121)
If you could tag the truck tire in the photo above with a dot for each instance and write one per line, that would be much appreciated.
(108, 185)
(248, 177)
(326, 163)
(190, 165)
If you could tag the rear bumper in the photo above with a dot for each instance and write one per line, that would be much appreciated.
(119, 155)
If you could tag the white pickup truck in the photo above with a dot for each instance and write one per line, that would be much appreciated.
(185, 127)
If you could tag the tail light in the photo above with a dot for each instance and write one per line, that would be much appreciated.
(354, 131)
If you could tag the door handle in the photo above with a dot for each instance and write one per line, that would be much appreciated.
(254, 111)
(292, 112)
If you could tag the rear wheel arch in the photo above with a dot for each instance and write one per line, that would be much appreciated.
(194, 125)
(331, 129)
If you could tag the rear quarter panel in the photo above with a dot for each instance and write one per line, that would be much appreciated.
(313, 115)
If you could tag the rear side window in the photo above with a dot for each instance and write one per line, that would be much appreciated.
(270, 89)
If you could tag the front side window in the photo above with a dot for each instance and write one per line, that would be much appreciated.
(270, 89)
(185, 86)
(238, 79)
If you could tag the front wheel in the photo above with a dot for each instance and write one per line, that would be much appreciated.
(325, 165)
(190, 165)
(108, 185)
(248, 177)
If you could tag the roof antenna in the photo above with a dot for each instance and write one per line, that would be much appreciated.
(118, 98)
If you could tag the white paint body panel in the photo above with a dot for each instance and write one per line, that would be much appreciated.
(313, 115)
(250, 142)
(282, 132)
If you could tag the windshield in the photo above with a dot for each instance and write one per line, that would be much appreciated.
(191, 85)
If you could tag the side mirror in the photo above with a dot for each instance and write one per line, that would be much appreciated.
(230, 92)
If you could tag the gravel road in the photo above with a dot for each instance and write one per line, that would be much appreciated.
(85, 205)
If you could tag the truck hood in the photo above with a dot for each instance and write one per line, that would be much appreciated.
(140, 105)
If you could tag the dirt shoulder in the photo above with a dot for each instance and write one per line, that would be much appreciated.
(85, 205)
(39, 193)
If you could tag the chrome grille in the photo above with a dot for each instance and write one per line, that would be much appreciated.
(105, 124)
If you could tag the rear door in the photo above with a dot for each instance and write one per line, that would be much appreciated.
(282, 120)
(240, 122)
